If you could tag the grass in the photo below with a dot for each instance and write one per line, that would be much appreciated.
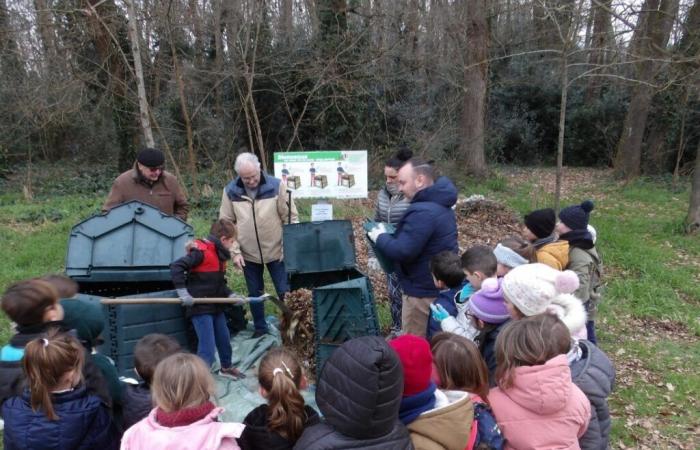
(649, 321)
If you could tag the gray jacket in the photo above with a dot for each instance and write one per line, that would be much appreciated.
(390, 209)
(594, 374)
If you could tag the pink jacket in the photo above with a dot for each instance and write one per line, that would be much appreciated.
(203, 434)
(543, 408)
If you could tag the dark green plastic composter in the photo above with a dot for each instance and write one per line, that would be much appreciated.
(127, 253)
(321, 256)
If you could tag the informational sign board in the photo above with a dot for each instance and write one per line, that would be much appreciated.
(323, 174)
(321, 212)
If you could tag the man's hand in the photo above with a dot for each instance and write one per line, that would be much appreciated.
(185, 297)
(239, 261)
(373, 265)
(376, 231)
(439, 313)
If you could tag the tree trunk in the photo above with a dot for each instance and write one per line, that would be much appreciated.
(562, 128)
(286, 25)
(649, 42)
(600, 41)
(134, 37)
(475, 85)
(692, 222)
(191, 153)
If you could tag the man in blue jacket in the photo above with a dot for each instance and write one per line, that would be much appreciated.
(427, 228)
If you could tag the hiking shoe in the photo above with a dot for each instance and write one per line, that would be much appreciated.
(258, 333)
(231, 372)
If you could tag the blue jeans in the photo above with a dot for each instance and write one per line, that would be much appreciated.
(212, 334)
(253, 273)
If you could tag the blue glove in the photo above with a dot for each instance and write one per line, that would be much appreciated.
(439, 313)
(185, 297)
(466, 292)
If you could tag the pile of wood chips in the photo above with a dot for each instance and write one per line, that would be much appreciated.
(479, 221)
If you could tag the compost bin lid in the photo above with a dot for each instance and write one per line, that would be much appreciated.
(132, 242)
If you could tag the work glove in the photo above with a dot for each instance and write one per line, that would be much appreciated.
(439, 313)
(185, 297)
(376, 231)
(373, 265)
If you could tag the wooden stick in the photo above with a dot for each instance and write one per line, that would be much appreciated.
(169, 301)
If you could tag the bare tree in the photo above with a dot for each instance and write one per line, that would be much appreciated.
(138, 71)
(475, 86)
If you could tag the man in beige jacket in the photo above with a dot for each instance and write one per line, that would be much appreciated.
(259, 205)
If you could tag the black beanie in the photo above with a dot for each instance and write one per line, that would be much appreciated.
(576, 217)
(541, 222)
(150, 157)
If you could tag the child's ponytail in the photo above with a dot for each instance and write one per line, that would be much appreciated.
(280, 375)
(46, 361)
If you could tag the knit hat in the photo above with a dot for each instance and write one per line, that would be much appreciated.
(487, 303)
(541, 222)
(576, 217)
(508, 257)
(416, 360)
(150, 157)
(85, 318)
(532, 287)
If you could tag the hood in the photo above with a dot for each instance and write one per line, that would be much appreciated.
(86, 318)
(448, 424)
(543, 389)
(571, 311)
(359, 390)
(236, 188)
(442, 192)
(559, 250)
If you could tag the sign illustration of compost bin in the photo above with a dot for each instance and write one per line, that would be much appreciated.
(323, 174)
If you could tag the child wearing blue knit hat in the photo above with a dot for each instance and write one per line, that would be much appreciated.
(583, 258)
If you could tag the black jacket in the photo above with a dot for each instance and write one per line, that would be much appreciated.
(84, 423)
(137, 403)
(256, 435)
(487, 347)
(203, 272)
(359, 394)
(12, 380)
(594, 374)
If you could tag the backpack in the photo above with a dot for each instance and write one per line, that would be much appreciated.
(485, 434)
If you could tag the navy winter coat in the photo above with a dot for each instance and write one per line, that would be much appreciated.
(446, 299)
(359, 395)
(137, 403)
(427, 228)
(594, 374)
(84, 423)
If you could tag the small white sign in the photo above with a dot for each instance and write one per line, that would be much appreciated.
(321, 212)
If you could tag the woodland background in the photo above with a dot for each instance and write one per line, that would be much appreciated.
(577, 82)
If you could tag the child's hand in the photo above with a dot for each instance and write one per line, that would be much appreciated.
(439, 313)
(185, 297)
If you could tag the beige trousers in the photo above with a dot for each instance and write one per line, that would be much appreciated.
(414, 314)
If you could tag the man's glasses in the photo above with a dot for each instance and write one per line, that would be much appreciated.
(154, 169)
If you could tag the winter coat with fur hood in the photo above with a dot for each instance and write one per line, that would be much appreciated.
(543, 408)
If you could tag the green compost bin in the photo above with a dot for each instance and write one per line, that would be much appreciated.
(132, 242)
(127, 253)
(343, 311)
(318, 253)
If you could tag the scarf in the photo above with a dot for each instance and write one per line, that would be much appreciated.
(223, 253)
(184, 416)
(538, 243)
(413, 406)
(579, 238)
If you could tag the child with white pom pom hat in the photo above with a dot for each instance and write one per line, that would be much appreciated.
(534, 289)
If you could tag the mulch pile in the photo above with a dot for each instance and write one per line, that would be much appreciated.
(479, 221)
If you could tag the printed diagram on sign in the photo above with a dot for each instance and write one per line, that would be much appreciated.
(323, 173)
(345, 179)
(317, 180)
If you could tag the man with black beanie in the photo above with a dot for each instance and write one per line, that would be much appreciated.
(149, 183)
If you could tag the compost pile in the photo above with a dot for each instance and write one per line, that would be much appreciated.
(479, 221)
